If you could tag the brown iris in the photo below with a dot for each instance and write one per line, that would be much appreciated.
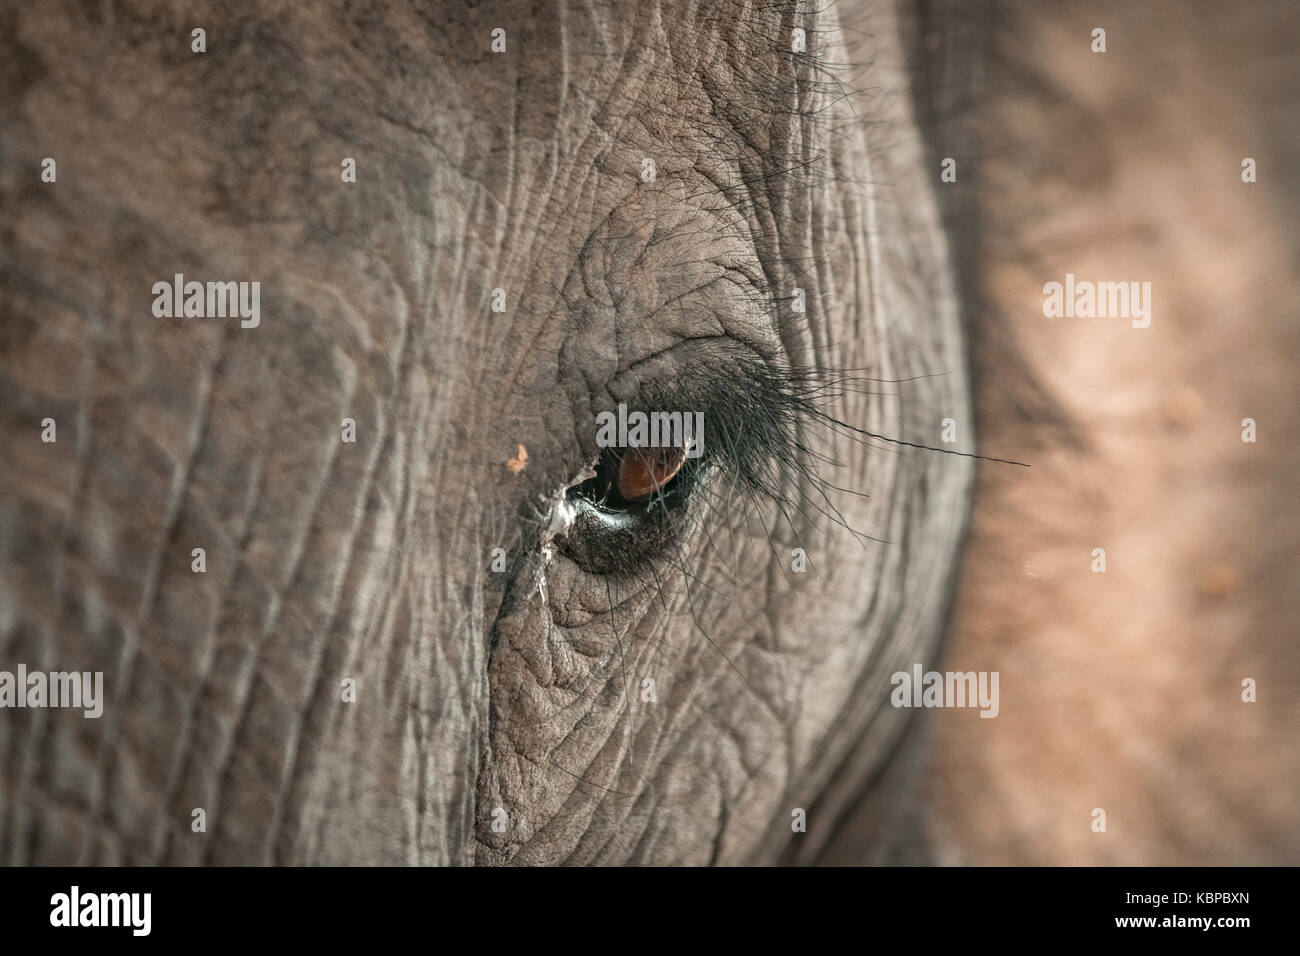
(643, 471)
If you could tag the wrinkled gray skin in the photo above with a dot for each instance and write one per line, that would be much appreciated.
(371, 560)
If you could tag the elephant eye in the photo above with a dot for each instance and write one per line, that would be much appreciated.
(632, 477)
(642, 472)
(627, 513)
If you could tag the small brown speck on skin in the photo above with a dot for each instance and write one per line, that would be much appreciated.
(519, 462)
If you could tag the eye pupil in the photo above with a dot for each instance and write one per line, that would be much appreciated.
(643, 471)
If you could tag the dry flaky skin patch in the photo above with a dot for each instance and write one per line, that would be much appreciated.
(1122, 690)
(557, 520)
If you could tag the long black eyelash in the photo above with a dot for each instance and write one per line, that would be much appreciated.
(755, 417)
(759, 421)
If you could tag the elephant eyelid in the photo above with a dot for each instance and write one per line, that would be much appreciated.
(752, 414)
(761, 426)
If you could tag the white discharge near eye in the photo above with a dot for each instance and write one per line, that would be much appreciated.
(559, 519)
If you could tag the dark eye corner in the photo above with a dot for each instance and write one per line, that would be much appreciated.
(638, 480)
(630, 512)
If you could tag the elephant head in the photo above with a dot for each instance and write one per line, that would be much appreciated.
(362, 583)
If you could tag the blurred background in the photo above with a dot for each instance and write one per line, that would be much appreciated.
(1123, 690)
(1119, 690)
